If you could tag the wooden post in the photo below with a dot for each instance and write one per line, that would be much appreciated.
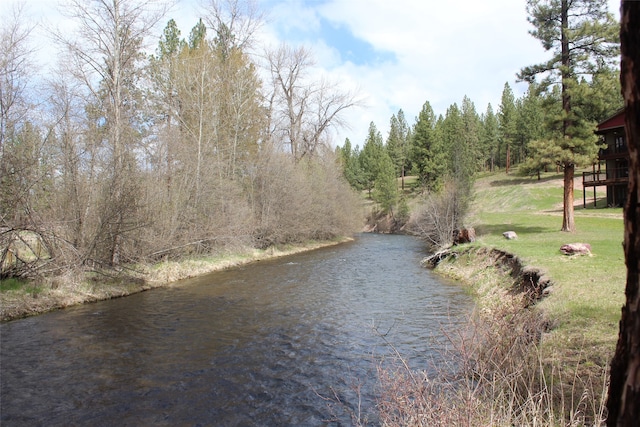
(594, 187)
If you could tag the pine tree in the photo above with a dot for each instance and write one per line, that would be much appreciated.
(544, 153)
(457, 138)
(471, 134)
(507, 124)
(602, 95)
(385, 190)
(529, 121)
(428, 155)
(489, 138)
(580, 35)
(164, 69)
(350, 165)
(198, 35)
(398, 144)
(370, 157)
(378, 171)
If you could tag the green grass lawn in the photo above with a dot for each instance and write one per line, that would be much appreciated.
(588, 291)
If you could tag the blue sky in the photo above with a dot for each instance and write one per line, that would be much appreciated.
(399, 54)
(394, 53)
(351, 48)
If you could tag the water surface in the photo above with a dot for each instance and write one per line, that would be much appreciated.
(293, 341)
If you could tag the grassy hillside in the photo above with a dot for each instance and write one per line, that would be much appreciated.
(588, 291)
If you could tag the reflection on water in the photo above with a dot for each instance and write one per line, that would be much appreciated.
(273, 343)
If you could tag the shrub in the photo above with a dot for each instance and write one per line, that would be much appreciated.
(494, 374)
(439, 215)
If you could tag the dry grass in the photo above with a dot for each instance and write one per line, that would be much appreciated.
(495, 374)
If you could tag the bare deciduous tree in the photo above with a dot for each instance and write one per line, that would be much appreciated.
(15, 62)
(16, 57)
(85, 170)
(24, 163)
(71, 156)
(107, 51)
(235, 23)
(302, 110)
(435, 219)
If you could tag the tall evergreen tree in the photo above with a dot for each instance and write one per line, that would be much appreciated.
(164, 67)
(603, 96)
(471, 134)
(398, 144)
(370, 157)
(428, 155)
(460, 154)
(385, 189)
(489, 139)
(350, 165)
(529, 120)
(580, 35)
(507, 124)
(198, 35)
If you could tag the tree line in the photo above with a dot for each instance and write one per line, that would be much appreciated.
(550, 127)
(120, 156)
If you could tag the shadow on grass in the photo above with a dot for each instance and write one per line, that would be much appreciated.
(523, 180)
(601, 203)
(498, 229)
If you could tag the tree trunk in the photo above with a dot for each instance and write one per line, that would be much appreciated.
(508, 158)
(565, 69)
(624, 390)
(568, 223)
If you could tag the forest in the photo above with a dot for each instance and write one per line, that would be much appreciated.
(125, 153)
(551, 127)
(120, 156)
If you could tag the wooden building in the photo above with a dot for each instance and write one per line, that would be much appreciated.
(612, 169)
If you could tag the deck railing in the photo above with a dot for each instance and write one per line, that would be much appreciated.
(613, 151)
(605, 176)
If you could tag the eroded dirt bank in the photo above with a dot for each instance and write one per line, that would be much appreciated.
(476, 266)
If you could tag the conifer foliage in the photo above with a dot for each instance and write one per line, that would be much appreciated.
(580, 35)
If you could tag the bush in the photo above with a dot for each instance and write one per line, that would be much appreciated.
(295, 202)
(439, 215)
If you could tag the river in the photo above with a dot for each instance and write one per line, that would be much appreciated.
(293, 341)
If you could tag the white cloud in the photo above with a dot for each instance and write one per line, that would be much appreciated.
(430, 50)
(443, 51)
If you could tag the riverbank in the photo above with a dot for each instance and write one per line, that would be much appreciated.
(78, 287)
(501, 374)
(569, 336)
(509, 369)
